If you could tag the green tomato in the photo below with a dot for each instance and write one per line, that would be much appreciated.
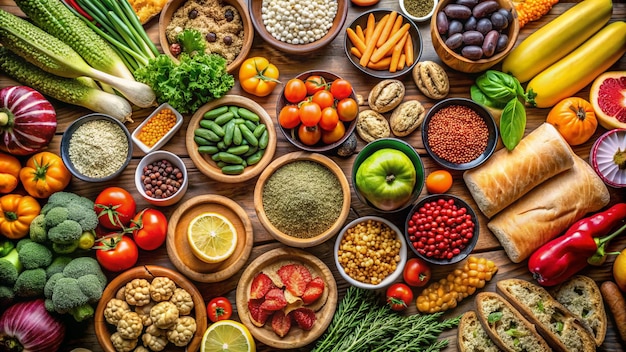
(386, 179)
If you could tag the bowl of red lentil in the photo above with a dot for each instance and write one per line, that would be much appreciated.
(442, 229)
(370, 252)
(157, 129)
(302, 199)
(96, 147)
(161, 178)
(459, 134)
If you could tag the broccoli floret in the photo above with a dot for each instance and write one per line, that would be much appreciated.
(22, 242)
(52, 281)
(10, 268)
(56, 216)
(83, 214)
(82, 312)
(33, 255)
(57, 265)
(6, 296)
(91, 287)
(37, 231)
(59, 199)
(49, 305)
(30, 283)
(67, 295)
(83, 266)
(67, 232)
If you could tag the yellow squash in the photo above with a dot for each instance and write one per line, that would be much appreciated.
(557, 38)
(580, 67)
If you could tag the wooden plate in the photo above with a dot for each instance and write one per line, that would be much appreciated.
(149, 272)
(296, 337)
(206, 165)
(180, 253)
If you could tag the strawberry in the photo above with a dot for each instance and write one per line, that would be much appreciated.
(261, 284)
(295, 277)
(304, 317)
(313, 291)
(258, 316)
(274, 300)
(281, 323)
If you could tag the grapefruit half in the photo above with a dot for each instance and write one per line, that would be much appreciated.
(608, 97)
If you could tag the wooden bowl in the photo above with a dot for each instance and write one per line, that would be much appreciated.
(104, 330)
(298, 49)
(286, 238)
(296, 337)
(172, 5)
(180, 252)
(291, 134)
(206, 165)
(460, 63)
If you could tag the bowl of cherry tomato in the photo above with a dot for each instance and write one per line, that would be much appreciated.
(317, 111)
(442, 229)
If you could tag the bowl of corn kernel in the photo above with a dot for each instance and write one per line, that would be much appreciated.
(157, 129)
(370, 252)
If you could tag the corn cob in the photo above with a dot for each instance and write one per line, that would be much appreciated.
(532, 10)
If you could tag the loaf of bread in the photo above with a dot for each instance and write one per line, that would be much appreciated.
(506, 326)
(472, 337)
(508, 175)
(582, 296)
(548, 210)
(559, 327)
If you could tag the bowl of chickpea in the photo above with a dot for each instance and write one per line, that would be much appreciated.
(370, 252)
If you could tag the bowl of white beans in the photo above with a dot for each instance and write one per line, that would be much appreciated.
(299, 28)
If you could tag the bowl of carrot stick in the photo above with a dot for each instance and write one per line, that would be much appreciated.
(383, 43)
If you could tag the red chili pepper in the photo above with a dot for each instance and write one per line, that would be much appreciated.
(564, 256)
(79, 9)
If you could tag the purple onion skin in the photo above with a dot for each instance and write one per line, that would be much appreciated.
(28, 327)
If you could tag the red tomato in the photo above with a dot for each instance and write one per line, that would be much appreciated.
(310, 113)
(309, 135)
(117, 253)
(329, 119)
(219, 308)
(416, 272)
(341, 88)
(289, 116)
(150, 229)
(329, 137)
(399, 296)
(295, 90)
(323, 98)
(348, 109)
(115, 207)
(314, 84)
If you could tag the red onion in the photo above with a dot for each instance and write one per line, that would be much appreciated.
(28, 325)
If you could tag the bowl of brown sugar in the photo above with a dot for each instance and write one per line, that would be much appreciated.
(302, 199)
(96, 147)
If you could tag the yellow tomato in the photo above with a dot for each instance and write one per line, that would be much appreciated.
(16, 214)
(258, 76)
(619, 270)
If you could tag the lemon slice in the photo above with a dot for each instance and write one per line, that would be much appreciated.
(227, 335)
(212, 237)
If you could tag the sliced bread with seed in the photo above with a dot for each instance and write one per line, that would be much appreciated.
(559, 327)
(506, 326)
(581, 295)
(472, 337)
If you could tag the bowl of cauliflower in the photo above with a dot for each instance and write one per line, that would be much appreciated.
(153, 307)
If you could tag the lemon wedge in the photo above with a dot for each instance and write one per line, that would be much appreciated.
(227, 335)
(212, 237)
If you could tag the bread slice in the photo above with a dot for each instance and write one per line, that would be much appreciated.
(506, 326)
(472, 337)
(581, 295)
(558, 326)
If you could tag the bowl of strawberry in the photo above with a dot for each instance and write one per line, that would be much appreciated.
(442, 229)
(317, 111)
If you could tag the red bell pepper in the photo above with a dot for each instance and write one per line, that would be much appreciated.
(564, 256)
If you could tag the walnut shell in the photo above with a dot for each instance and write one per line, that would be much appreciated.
(386, 95)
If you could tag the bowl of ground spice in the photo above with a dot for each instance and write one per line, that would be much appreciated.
(161, 178)
(302, 199)
(96, 147)
(418, 10)
(459, 134)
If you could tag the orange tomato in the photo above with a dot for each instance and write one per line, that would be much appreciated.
(329, 137)
(438, 181)
(16, 214)
(329, 119)
(575, 120)
(348, 109)
(258, 76)
(44, 174)
(619, 270)
(289, 116)
(309, 135)
(323, 98)
(10, 168)
(365, 2)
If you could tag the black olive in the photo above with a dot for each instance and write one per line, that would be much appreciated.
(228, 40)
(211, 37)
(193, 14)
(229, 15)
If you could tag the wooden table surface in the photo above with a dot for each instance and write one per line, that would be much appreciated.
(331, 58)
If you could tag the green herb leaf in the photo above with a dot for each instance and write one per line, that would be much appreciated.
(191, 41)
(512, 123)
(515, 333)
(497, 86)
(559, 326)
(540, 306)
(478, 96)
(494, 317)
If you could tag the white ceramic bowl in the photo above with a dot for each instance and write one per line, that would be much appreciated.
(415, 18)
(389, 279)
(177, 162)
(147, 149)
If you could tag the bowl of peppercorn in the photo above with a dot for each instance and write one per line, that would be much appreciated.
(453, 236)
(161, 178)
(459, 134)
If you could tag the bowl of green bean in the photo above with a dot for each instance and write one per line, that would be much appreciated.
(231, 139)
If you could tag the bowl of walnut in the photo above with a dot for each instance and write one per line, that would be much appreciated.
(153, 307)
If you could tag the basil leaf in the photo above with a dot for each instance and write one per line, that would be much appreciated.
(497, 86)
(512, 123)
(494, 317)
(478, 96)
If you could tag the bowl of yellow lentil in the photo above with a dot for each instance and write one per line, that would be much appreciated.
(370, 252)
(96, 147)
(157, 129)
